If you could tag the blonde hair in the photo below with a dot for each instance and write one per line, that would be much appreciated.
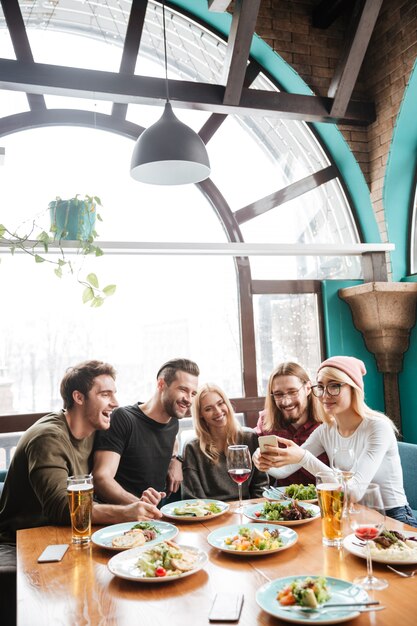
(233, 428)
(358, 404)
(274, 419)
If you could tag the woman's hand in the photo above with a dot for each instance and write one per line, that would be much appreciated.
(278, 457)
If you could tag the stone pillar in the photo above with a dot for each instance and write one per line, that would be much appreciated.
(385, 313)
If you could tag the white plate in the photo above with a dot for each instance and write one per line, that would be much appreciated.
(104, 537)
(350, 542)
(341, 591)
(168, 510)
(218, 536)
(273, 495)
(123, 565)
(250, 511)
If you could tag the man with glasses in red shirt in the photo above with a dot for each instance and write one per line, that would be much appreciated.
(290, 412)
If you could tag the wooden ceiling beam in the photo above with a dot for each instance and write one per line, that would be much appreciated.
(294, 190)
(238, 48)
(347, 72)
(215, 120)
(131, 47)
(109, 86)
(21, 45)
(218, 6)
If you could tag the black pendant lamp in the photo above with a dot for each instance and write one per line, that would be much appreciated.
(169, 152)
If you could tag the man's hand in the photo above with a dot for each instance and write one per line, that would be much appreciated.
(174, 476)
(139, 511)
(151, 496)
(278, 457)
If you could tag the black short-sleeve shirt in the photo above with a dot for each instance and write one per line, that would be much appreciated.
(145, 448)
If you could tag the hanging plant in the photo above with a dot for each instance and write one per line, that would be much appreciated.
(71, 220)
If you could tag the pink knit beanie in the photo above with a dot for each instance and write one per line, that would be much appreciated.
(353, 367)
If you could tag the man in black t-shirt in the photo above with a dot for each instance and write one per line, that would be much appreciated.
(138, 450)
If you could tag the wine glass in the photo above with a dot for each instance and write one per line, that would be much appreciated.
(367, 519)
(239, 466)
(343, 463)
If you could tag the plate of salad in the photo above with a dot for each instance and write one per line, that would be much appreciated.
(286, 513)
(163, 562)
(252, 539)
(302, 493)
(194, 510)
(130, 534)
(285, 598)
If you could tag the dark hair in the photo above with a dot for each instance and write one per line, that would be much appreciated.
(81, 378)
(168, 370)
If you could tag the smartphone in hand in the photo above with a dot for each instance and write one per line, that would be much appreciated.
(267, 440)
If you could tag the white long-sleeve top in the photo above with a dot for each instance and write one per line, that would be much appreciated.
(376, 451)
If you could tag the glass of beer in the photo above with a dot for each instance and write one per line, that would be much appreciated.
(330, 494)
(80, 499)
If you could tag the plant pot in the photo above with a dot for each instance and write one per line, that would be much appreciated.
(72, 219)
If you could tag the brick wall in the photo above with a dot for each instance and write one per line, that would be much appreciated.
(286, 25)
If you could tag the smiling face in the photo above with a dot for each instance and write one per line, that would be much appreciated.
(100, 402)
(214, 411)
(336, 405)
(177, 397)
(291, 398)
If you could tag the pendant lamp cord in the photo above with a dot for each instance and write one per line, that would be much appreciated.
(165, 51)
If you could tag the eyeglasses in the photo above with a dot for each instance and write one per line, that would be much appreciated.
(332, 389)
(278, 395)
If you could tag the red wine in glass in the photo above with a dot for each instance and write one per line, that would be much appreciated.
(239, 466)
(367, 519)
(239, 475)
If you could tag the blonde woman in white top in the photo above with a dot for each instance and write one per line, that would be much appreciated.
(348, 423)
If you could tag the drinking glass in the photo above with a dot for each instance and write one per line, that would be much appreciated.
(80, 500)
(343, 462)
(239, 466)
(330, 494)
(367, 519)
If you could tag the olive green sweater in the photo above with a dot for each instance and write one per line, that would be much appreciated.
(35, 491)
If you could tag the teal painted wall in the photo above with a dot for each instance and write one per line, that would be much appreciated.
(407, 384)
(398, 193)
(342, 337)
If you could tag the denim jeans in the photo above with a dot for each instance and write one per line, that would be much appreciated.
(402, 514)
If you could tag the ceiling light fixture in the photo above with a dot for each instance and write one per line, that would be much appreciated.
(169, 152)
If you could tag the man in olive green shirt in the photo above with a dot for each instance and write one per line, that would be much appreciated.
(59, 445)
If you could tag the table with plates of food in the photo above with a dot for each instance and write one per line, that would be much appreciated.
(170, 571)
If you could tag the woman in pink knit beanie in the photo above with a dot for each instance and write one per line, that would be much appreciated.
(348, 423)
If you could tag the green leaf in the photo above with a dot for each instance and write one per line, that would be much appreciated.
(109, 290)
(2, 230)
(88, 294)
(93, 280)
(97, 301)
(61, 262)
(100, 219)
(58, 272)
(39, 259)
(99, 251)
(97, 199)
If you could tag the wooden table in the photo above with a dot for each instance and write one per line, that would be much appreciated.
(80, 590)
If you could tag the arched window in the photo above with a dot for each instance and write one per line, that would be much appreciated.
(164, 306)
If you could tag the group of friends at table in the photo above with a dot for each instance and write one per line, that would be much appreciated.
(133, 451)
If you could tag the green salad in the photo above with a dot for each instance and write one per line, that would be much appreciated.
(301, 492)
(305, 592)
(198, 508)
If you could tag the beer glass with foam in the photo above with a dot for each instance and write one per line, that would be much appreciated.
(330, 493)
(80, 499)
